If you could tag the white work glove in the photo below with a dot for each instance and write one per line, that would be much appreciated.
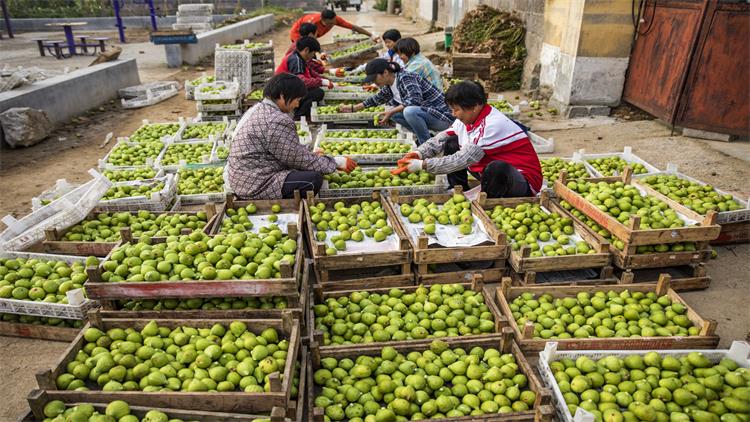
(410, 166)
(345, 164)
(326, 83)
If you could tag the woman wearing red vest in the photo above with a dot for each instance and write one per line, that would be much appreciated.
(483, 140)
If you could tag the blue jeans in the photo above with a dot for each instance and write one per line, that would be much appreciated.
(418, 120)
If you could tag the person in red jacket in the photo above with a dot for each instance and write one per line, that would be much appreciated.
(483, 140)
(309, 30)
(325, 21)
(298, 63)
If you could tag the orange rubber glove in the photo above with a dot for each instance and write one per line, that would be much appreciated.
(406, 158)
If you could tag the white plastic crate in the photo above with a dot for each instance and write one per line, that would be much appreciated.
(739, 352)
(626, 154)
(208, 116)
(191, 85)
(515, 112)
(265, 48)
(349, 37)
(147, 122)
(205, 159)
(202, 198)
(341, 117)
(151, 98)
(232, 105)
(306, 139)
(195, 9)
(196, 27)
(181, 19)
(157, 201)
(62, 212)
(372, 47)
(218, 136)
(333, 94)
(358, 78)
(104, 163)
(76, 308)
(61, 188)
(325, 133)
(140, 90)
(262, 76)
(234, 66)
(231, 90)
(723, 217)
(541, 145)
(440, 186)
(372, 158)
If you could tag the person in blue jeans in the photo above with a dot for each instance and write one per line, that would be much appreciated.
(415, 102)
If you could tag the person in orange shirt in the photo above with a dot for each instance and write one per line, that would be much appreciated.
(325, 21)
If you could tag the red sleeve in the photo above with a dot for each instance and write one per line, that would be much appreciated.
(316, 67)
(343, 23)
(294, 33)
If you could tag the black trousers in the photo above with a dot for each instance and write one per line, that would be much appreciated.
(499, 179)
(314, 95)
(303, 181)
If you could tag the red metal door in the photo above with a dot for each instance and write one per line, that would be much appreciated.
(661, 54)
(717, 91)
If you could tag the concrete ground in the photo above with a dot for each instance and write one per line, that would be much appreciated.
(74, 148)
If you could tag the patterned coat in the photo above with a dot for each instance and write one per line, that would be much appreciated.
(265, 150)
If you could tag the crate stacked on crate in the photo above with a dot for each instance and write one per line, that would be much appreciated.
(270, 345)
(654, 316)
(352, 78)
(199, 17)
(330, 113)
(304, 133)
(54, 307)
(553, 166)
(362, 181)
(613, 164)
(548, 245)
(156, 194)
(362, 250)
(359, 51)
(100, 231)
(441, 380)
(250, 62)
(218, 100)
(191, 85)
(687, 192)
(674, 398)
(644, 231)
(347, 91)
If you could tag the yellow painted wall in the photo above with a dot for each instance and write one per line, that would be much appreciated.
(606, 29)
(589, 28)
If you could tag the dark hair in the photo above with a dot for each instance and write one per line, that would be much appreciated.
(466, 94)
(286, 85)
(391, 34)
(328, 14)
(308, 28)
(407, 46)
(308, 42)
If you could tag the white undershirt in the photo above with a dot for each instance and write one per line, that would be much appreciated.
(394, 90)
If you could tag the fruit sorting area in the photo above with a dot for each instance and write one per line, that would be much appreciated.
(354, 307)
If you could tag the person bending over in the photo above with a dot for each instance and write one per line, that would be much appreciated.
(266, 160)
(416, 104)
(325, 21)
(300, 63)
(483, 140)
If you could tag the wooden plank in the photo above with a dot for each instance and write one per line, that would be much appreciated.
(733, 233)
(232, 402)
(489, 275)
(42, 332)
(705, 231)
(506, 293)
(541, 410)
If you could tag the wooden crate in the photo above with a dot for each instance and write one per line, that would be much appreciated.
(39, 398)
(424, 255)
(733, 233)
(38, 331)
(357, 270)
(296, 303)
(473, 66)
(707, 339)
(685, 278)
(288, 284)
(232, 402)
(527, 266)
(55, 239)
(319, 350)
(264, 208)
(542, 411)
(631, 234)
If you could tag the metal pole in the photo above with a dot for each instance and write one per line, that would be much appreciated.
(6, 16)
(152, 12)
(118, 19)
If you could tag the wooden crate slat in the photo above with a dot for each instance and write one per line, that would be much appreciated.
(38, 331)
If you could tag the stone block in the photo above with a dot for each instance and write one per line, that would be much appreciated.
(705, 134)
(24, 126)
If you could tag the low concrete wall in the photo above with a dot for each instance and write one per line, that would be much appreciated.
(96, 24)
(193, 53)
(66, 96)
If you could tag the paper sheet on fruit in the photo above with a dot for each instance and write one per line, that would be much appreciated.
(283, 221)
(449, 235)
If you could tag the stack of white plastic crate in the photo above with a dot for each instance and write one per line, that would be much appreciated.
(220, 100)
(198, 17)
(252, 64)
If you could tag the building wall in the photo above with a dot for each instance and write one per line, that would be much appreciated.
(531, 12)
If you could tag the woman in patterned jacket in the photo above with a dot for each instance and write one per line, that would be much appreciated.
(266, 160)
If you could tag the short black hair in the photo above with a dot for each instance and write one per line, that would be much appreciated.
(308, 42)
(327, 14)
(392, 34)
(284, 84)
(466, 94)
(407, 46)
(308, 28)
